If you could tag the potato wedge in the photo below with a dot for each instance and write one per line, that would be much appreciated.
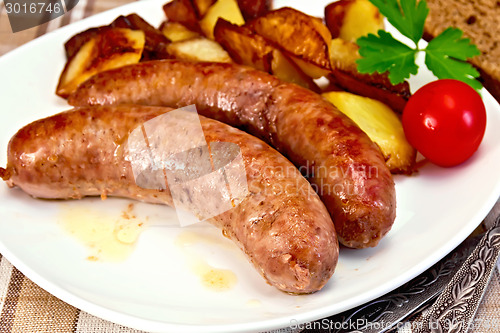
(287, 70)
(334, 16)
(311, 69)
(201, 7)
(381, 124)
(377, 86)
(298, 35)
(351, 19)
(244, 46)
(182, 11)
(254, 8)
(248, 48)
(154, 48)
(73, 45)
(156, 43)
(198, 49)
(111, 48)
(226, 9)
(176, 32)
(343, 54)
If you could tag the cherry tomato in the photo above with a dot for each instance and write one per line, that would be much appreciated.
(445, 121)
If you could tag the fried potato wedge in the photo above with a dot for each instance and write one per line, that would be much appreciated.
(345, 74)
(156, 43)
(299, 35)
(287, 70)
(311, 69)
(154, 48)
(201, 6)
(254, 8)
(198, 49)
(351, 19)
(244, 46)
(184, 12)
(225, 9)
(343, 54)
(73, 45)
(381, 124)
(176, 32)
(250, 49)
(110, 48)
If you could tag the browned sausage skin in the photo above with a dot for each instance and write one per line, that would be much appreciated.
(285, 231)
(343, 164)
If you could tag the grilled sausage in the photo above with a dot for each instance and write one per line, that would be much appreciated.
(281, 224)
(343, 164)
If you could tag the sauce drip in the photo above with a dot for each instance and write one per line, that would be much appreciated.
(107, 237)
(212, 278)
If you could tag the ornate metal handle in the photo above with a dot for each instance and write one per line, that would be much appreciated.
(454, 310)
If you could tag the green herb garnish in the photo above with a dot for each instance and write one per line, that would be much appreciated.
(445, 55)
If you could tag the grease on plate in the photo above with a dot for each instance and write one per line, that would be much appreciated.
(253, 303)
(108, 237)
(212, 278)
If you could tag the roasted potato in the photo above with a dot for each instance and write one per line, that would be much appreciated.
(343, 54)
(378, 86)
(251, 49)
(110, 48)
(311, 69)
(184, 12)
(244, 46)
(226, 9)
(198, 49)
(381, 124)
(154, 48)
(201, 6)
(254, 8)
(176, 32)
(351, 19)
(73, 45)
(156, 42)
(299, 35)
(287, 70)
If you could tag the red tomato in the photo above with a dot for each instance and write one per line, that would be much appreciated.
(445, 121)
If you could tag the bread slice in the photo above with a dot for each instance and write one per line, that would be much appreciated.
(480, 21)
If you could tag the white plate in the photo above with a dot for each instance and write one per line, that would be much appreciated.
(155, 289)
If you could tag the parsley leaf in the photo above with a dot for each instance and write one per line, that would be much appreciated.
(446, 57)
(405, 15)
(384, 53)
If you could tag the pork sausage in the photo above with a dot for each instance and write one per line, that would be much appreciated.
(281, 224)
(346, 168)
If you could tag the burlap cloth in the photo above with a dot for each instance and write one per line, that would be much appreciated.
(25, 307)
